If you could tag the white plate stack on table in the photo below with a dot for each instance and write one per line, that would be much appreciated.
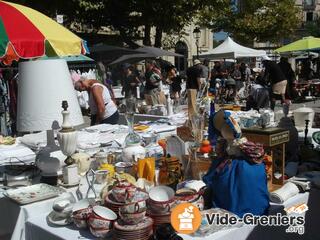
(140, 231)
(161, 202)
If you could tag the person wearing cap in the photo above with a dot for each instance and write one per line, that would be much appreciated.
(277, 79)
(193, 85)
(102, 107)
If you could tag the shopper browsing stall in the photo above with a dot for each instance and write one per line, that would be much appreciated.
(277, 79)
(102, 108)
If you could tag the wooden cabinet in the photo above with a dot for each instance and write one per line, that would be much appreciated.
(273, 140)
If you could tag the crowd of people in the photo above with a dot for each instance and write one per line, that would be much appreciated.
(229, 83)
(259, 87)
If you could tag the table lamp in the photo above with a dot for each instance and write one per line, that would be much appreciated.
(43, 85)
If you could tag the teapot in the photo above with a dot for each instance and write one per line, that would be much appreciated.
(101, 157)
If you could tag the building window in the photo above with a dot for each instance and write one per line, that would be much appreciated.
(308, 2)
(181, 62)
(309, 16)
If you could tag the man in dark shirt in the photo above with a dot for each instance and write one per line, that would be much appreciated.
(289, 74)
(193, 86)
(277, 79)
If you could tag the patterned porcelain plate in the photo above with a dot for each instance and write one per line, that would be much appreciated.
(145, 223)
(56, 220)
(34, 193)
(134, 235)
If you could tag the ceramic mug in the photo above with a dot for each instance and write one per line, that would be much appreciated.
(161, 208)
(81, 211)
(123, 191)
(134, 207)
(101, 221)
(132, 218)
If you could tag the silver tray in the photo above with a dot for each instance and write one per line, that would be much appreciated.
(34, 193)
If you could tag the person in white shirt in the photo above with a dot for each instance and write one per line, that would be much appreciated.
(102, 107)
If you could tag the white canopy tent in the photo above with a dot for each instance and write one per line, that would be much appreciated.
(231, 49)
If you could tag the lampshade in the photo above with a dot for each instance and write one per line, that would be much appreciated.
(43, 85)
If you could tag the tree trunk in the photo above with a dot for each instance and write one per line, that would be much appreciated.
(158, 38)
(147, 35)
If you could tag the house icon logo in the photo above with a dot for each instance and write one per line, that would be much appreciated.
(186, 218)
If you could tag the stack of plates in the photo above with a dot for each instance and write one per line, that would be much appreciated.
(141, 231)
(112, 204)
(159, 218)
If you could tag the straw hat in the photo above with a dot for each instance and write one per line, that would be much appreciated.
(225, 126)
(196, 62)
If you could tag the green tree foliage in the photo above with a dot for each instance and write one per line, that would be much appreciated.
(248, 20)
(135, 18)
(131, 19)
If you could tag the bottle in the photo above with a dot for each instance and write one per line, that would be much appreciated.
(212, 107)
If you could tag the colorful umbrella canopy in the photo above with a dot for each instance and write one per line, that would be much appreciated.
(304, 44)
(26, 33)
(71, 59)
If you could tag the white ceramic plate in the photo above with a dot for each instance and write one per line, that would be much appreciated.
(54, 219)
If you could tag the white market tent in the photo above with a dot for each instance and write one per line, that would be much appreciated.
(231, 49)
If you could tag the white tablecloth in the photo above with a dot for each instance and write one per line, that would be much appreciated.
(37, 228)
(14, 216)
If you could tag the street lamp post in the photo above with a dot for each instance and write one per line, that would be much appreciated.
(197, 35)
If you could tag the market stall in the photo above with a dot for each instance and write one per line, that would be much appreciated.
(150, 175)
(35, 220)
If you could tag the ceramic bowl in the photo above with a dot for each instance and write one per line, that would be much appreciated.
(186, 195)
(81, 211)
(123, 191)
(125, 167)
(132, 218)
(101, 221)
(161, 194)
